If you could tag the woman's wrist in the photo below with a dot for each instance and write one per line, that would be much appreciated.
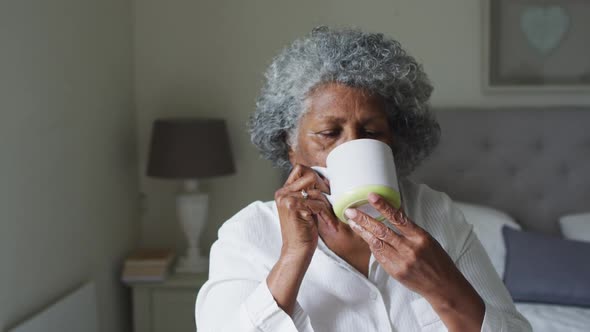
(301, 255)
(460, 307)
(286, 276)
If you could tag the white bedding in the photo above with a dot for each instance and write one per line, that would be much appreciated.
(487, 224)
(554, 318)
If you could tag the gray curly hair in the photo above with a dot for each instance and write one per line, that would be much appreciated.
(356, 59)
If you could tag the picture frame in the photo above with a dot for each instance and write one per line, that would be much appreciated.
(536, 46)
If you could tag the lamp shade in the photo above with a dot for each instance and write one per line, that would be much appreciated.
(189, 148)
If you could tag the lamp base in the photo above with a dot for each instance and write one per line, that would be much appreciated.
(192, 265)
(192, 207)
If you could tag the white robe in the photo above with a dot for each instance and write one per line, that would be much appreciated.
(335, 297)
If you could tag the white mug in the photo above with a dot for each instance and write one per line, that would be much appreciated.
(357, 168)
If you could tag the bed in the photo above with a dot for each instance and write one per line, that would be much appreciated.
(523, 168)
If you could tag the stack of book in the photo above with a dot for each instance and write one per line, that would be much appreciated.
(148, 265)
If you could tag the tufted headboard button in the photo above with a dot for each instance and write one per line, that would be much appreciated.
(563, 170)
(538, 145)
(512, 171)
(539, 196)
(486, 144)
(460, 171)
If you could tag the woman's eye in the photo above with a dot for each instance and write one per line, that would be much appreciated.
(329, 133)
(371, 133)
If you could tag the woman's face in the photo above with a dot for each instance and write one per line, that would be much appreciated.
(337, 114)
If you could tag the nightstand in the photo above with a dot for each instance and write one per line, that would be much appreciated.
(167, 306)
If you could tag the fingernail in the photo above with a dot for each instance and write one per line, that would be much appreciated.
(350, 213)
(373, 198)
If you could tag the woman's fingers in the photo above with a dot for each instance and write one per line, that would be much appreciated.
(296, 173)
(316, 204)
(396, 216)
(303, 177)
(376, 228)
(326, 213)
(384, 252)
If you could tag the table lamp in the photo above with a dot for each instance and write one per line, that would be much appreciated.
(190, 149)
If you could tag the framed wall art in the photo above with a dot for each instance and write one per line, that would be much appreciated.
(536, 45)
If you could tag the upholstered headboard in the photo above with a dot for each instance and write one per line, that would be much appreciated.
(533, 164)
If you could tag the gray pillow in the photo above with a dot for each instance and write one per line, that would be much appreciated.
(545, 269)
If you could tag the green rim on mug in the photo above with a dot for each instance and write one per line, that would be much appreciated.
(358, 197)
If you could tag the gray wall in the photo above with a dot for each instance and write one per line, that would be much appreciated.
(206, 58)
(68, 171)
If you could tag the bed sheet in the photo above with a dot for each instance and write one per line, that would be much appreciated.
(555, 318)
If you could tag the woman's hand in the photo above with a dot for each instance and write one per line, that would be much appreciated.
(416, 259)
(299, 217)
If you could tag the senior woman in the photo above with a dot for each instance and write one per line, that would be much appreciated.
(290, 265)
